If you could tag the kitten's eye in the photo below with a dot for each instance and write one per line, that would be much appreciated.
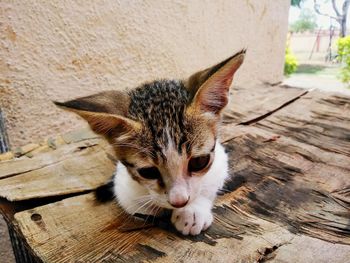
(149, 173)
(197, 164)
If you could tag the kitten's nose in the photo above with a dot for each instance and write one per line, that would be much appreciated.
(179, 204)
(178, 194)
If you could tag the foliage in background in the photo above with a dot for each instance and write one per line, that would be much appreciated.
(306, 22)
(339, 14)
(290, 63)
(296, 2)
(344, 57)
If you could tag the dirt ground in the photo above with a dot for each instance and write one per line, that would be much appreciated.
(6, 254)
(318, 75)
(321, 82)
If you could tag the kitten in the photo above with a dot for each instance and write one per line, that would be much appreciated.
(165, 134)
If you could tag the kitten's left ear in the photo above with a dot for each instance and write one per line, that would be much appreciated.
(106, 112)
(209, 89)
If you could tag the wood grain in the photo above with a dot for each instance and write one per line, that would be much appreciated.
(23, 165)
(72, 169)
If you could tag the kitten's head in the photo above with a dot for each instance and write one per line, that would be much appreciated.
(165, 131)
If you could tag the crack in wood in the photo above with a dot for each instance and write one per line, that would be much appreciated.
(263, 116)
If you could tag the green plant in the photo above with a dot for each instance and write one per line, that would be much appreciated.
(290, 63)
(344, 57)
(296, 2)
(305, 22)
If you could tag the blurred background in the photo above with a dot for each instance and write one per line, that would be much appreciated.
(59, 50)
(318, 45)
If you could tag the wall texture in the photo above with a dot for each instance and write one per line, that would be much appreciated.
(59, 50)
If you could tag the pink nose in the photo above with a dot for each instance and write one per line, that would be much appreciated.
(179, 204)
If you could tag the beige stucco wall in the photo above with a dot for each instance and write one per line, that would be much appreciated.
(58, 50)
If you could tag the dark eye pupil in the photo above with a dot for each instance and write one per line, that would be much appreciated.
(198, 163)
(149, 173)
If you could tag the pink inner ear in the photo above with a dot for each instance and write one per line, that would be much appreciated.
(214, 97)
(214, 100)
(226, 76)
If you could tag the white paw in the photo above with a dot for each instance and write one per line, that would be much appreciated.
(191, 220)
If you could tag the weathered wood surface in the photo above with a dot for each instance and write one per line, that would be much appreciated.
(50, 168)
(288, 198)
(79, 230)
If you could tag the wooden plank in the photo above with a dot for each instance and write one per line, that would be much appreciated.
(306, 249)
(66, 231)
(316, 119)
(33, 149)
(79, 135)
(6, 156)
(18, 166)
(80, 230)
(85, 167)
(277, 177)
(321, 124)
(297, 160)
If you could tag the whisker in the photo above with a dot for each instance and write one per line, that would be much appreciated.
(155, 208)
(155, 215)
(130, 217)
(142, 206)
(138, 201)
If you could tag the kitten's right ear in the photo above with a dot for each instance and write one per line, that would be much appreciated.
(209, 88)
(105, 112)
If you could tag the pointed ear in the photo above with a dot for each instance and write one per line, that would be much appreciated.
(209, 89)
(105, 112)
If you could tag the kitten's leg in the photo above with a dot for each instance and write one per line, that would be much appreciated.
(193, 218)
